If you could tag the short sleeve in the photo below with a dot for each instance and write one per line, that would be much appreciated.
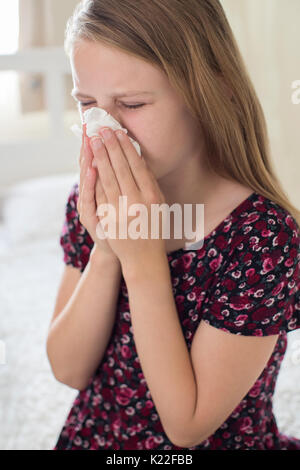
(258, 293)
(74, 238)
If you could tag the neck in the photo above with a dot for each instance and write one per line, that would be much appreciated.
(190, 183)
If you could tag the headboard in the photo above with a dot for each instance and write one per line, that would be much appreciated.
(54, 149)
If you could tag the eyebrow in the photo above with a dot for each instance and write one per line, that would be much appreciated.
(76, 94)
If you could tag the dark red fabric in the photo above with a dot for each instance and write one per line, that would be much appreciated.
(244, 280)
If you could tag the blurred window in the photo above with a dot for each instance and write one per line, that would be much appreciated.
(9, 38)
(9, 26)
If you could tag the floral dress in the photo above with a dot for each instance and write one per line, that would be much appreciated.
(244, 280)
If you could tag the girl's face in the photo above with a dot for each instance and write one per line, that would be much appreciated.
(167, 133)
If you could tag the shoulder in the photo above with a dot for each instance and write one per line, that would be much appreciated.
(74, 193)
(72, 215)
(262, 226)
(75, 239)
(265, 245)
(256, 290)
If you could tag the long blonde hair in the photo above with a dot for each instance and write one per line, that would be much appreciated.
(193, 43)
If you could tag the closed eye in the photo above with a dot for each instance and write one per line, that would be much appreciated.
(133, 106)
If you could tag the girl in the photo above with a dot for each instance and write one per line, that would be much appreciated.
(169, 347)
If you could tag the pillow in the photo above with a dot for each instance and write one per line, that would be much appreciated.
(34, 209)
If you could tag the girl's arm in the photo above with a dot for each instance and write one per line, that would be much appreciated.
(79, 334)
(193, 392)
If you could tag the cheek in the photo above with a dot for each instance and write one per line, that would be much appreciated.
(162, 135)
(156, 143)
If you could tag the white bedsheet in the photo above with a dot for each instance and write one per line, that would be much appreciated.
(33, 405)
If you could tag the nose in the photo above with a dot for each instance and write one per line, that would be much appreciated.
(112, 112)
(116, 114)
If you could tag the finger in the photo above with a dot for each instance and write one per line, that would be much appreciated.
(120, 164)
(100, 195)
(81, 158)
(79, 163)
(106, 172)
(81, 183)
(88, 205)
(136, 163)
(100, 199)
(88, 152)
(86, 158)
(81, 148)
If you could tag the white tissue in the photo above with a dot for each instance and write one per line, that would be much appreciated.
(95, 118)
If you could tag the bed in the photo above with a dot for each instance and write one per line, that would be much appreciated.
(33, 404)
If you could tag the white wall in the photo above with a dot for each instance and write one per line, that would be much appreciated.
(269, 36)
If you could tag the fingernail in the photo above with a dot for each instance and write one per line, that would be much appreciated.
(107, 133)
(96, 143)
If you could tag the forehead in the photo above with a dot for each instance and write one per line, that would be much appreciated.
(97, 65)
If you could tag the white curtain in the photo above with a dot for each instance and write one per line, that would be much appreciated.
(268, 34)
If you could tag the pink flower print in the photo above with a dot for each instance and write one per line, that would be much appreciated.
(251, 218)
(124, 395)
(72, 214)
(239, 302)
(179, 299)
(289, 262)
(149, 404)
(240, 320)
(125, 351)
(201, 253)
(278, 288)
(263, 313)
(221, 242)
(258, 332)
(289, 312)
(247, 229)
(282, 238)
(226, 228)
(289, 221)
(212, 252)
(255, 390)
(268, 265)
(266, 233)
(250, 272)
(253, 241)
(187, 260)
(216, 263)
(150, 442)
(246, 425)
(249, 441)
(85, 249)
(233, 265)
(94, 444)
(116, 424)
(229, 284)
(261, 225)
(96, 400)
(269, 441)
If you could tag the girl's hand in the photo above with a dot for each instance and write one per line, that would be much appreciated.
(124, 173)
(91, 195)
